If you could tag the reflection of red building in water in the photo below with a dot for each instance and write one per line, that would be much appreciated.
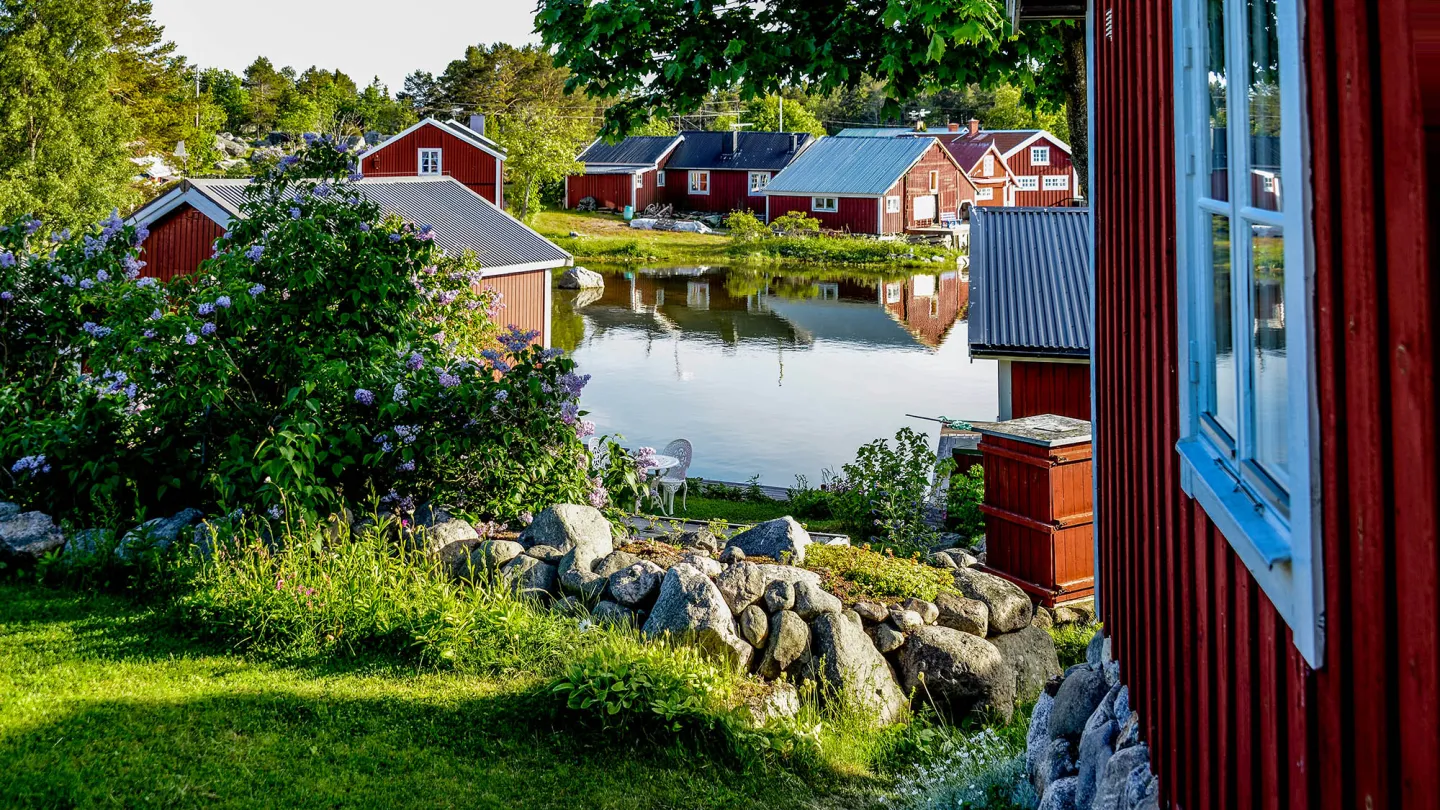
(927, 306)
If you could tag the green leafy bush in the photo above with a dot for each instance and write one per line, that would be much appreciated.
(857, 572)
(886, 490)
(841, 250)
(962, 502)
(795, 223)
(809, 502)
(745, 227)
(1072, 641)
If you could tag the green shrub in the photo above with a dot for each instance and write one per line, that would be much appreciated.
(962, 502)
(1072, 641)
(745, 227)
(886, 491)
(795, 223)
(856, 572)
(808, 502)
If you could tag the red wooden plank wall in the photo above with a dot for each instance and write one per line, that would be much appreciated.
(855, 214)
(729, 191)
(476, 168)
(917, 184)
(1060, 165)
(523, 295)
(178, 243)
(1234, 716)
(609, 190)
(1059, 388)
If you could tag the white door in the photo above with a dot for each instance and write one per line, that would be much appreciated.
(925, 207)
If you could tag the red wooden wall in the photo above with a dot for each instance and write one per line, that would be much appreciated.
(609, 190)
(1233, 715)
(523, 295)
(1060, 388)
(1060, 164)
(917, 184)
(476, 168)
(178, 243)
(856, 214)
(729, 191)
(929, 317)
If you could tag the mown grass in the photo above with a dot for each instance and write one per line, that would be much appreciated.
(707, 509)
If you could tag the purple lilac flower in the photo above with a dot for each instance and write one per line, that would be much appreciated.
(365, 227)
(569, 413)
(598, 496)
(68, 280)
(7, 296)
(364, 397)
(31, 464)
(407, 433)
(191, 338)
(426, 233)
(223, 302)
(142, 234)
(430, 269)
(130, 391)
(355, 176)
(63, 236)
(206, 308)
(416, 361)
(7, 260)
(571, 384)
(275, 512)
(132, 266)
(294, 212)
(448, 297)
(255, 252)
(323, 190)
(155, 315)
(86, 284)
(288, 161)
(310, 138)
(95, 330)
(517, 340)
(406, 466)
(32, 226)
(448, 380)
(526, 518)
(584, 429)
(551, 354)
(257, 289)
(502, 396)
(399, 393)
(148, 333)
(396, 237)
(102, 276)
(148, 281)
(207, 329)
(645, 459)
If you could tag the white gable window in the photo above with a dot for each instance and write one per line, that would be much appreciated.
(1027, 183)
(934, 181)
(988, 166)
(985, 193)
(1040, 156)
(639, 181)
(699, 182)
(429, 162)
(892, 205)
(1250, 440)
(825, 204)
(1057, 182)
(758, 181)
(660, 178)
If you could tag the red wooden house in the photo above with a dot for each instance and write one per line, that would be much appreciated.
(1044, 173)
(186, 221)
(631, 172)
(1267, 468)
(1030, 307)
(995, 184)
(434, 148)
(728, 171)
(872, 185)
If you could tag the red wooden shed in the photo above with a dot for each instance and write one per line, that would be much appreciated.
(435, 148)
(631, 172)
(728, 171)
(1041, 163)
(1268, 482)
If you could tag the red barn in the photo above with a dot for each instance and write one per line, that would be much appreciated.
(186, 221)
(1030, 307)
(728, 171)
(1266, 411)
(434, 148)
(631, 172)
(872, 185)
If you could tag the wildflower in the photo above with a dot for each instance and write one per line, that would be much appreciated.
(415, 362)
(191, 338)
(396, 237)
(426, 233)
(365, 227)
(502, 395)
(86, 284)
(207, 329)
(31, 464)
(294, 212)
(584, 429)
(148, 333)
(448, 380)
(255, 252)
(569, 413)
(7, 296)
(154, 314)
(102, 276)
(364, 397)
(95, 330)
(7, 260)
(598, 496)
(147, 282)
(130, 391)
(585, 625)
(206, 308)
(527, 518)
(256, 289)
(399, 393)
(68, 280)
(406, 466)
(275, 512)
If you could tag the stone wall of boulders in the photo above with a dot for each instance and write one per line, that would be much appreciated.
(1083, 751)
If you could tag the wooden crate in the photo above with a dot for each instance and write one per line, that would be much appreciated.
(1039, 513)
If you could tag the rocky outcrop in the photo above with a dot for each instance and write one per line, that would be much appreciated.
(851, 670)
(1010, 607)
(788, 646)
(964, 614)
(1031, 655)
(568, 527)
(579, 278)
(960, 672)
(690, 608)
(157, 534)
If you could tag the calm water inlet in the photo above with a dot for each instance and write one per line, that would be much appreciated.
(772, 374)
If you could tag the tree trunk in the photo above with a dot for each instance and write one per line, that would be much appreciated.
(1077, 112)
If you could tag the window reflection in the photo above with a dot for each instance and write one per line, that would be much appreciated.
(1268, 372)
(1221, 386)
(1217, 155)
(1264, 101)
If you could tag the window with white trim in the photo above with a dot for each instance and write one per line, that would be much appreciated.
(892, 205)
(825, 204)
(1040, 156)
(1056, 182)
(985, 193)
(892, 293)
(988, 166)
(660, 178)
(1027, 183)
(699, 182)
(429, 163)
(758, 181)
(639, 181)
(1249, 444)
(934, 181)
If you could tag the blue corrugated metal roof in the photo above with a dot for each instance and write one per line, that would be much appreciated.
(868, 166)
(462, 220)
(874, 132)
(637, 150)
(1030, 282)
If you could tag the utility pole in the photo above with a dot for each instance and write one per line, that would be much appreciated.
(197, 96)
(782, 113)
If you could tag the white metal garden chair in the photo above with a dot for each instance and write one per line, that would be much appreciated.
(674, 479)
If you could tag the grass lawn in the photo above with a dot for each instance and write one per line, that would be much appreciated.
(701, 508)
(103, 703)
(607, 237)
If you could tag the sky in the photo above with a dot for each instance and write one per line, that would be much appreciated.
(363, 38)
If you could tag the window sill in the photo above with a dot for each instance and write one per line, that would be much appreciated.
(1258, 541)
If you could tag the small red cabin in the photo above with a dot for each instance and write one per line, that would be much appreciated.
(728, 171)
(873, 185)
(434, 148)
(1044, 173)
(631, 172)
(988, 172)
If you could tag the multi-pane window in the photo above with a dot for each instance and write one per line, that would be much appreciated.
(989, 165)
(429, 162)
(1250, 439)
(892, 205)
(639, 181)
(1028, 183)
(985, 193)
(758, 181)
(699, 182)
(660, 179)
(1040, 155)
(828, 204)
(1056, 182)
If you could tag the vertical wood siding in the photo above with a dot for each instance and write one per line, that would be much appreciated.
(178, 243)
(1233, 715)
(729, 191)
(929, 317)
(856, 214)
(917, 184)
(476, 168)
(523, 295)
(609, 190)
(1059, 388)
(1060, 165)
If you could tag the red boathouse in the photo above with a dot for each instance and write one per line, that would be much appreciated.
(434, 148)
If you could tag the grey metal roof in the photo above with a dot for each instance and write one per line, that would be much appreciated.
(759, 151)
(1030, 282)
(637, 150)
(868, 166)
(462, 220)
(875, 132)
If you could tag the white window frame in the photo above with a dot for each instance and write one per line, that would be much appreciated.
(758, 182)
(824, 205)
(422, 154)
(1029, 182)
(639, 181)
(934, 181)
(988, 165)
(985, 193)
(696, 179)
(892, 205)
(1055, 182)
(1283, 553)
(659, 178)
(1039, 156)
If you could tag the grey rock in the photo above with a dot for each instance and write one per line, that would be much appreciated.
(1142, 790)
(1106, 655)
(1077, 699)
(787, 573)
(887, 639)
(690, 608)
(1129, 734)
(613, 614)
(158, 534)
(636, 586)
(906, 621)
(703, 564)
(1010, 607)
(8, 510)
(450, 542)
(546, 554)
(742, 585)
(779, 595)
(1097, 745)
(732, 554)
(962, 558)
(812, 600)
(1031, 654)
(1112, 672)
(780, 539)
(530, 577)
(429, 514)
(1043, 618)
(1037, 739)
(928, 611)
(1065, 615)
(940, 559)
(788, 646)
(853, 617)
(754, 626)
(852, 671)
(1094, 651)
(579, 278)
(961, 672)
(489, 555)
(613, 562)
(872, 612)
(1110, 786)
(567, 527)
(961, 613)
(584, 585)
(781, 701)
(570, 606)
(90, 543)
(1061, 795)
(1121, 707)
(1055, 763)
(701, 539)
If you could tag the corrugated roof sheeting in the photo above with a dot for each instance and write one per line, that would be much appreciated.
(866, 166)
(759, 151)
(968, 153)
(461, 219)
(1030, 282)
(874, 132)
(637, 150)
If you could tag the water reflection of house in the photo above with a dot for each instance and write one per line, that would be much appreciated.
(927, 306)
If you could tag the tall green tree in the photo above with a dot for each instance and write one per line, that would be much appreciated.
(669, 55)
(265, 89)
(228, 92)
(769, 115)
(62, 133)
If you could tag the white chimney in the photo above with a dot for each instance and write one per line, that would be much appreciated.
(477, 123)
(794, 141)
(734, 140)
